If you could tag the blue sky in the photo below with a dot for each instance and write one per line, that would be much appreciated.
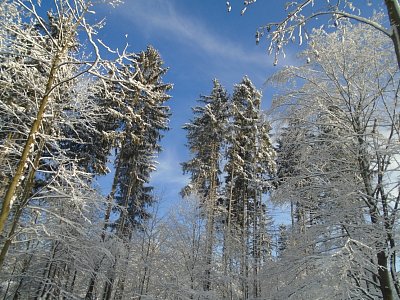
(198, 41)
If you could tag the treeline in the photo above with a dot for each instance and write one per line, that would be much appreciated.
(326, 152)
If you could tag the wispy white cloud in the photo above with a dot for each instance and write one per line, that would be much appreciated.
(169, 172)
(168, 179)
(162, 17)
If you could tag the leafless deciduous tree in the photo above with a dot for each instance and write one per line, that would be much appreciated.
(339, 164)
(295, 25)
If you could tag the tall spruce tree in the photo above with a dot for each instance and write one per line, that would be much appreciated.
(249, 167)
(145, 116)
(206, 136)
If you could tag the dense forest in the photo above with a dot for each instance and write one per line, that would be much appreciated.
(326, 151)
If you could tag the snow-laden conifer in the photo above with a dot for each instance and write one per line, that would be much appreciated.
(206, 135)
(250, 165)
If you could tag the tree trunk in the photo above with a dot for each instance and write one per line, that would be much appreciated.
(384, 276)
(392, 264)
(25, 197)
(92, 282)
(121, 233)
(24, 160)
(143, 285)
(210, 206)
(244, 267)
(119, 293)
(46, 282)
(108, 288)
(227, 242)
(258, 229)
(393, 9)
(72, 285)
(9, 281)
(25, 267)
(209, 247)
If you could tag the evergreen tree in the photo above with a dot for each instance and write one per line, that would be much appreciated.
(206, 139)
(145, 116)
(244, 169)
(249, 168)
